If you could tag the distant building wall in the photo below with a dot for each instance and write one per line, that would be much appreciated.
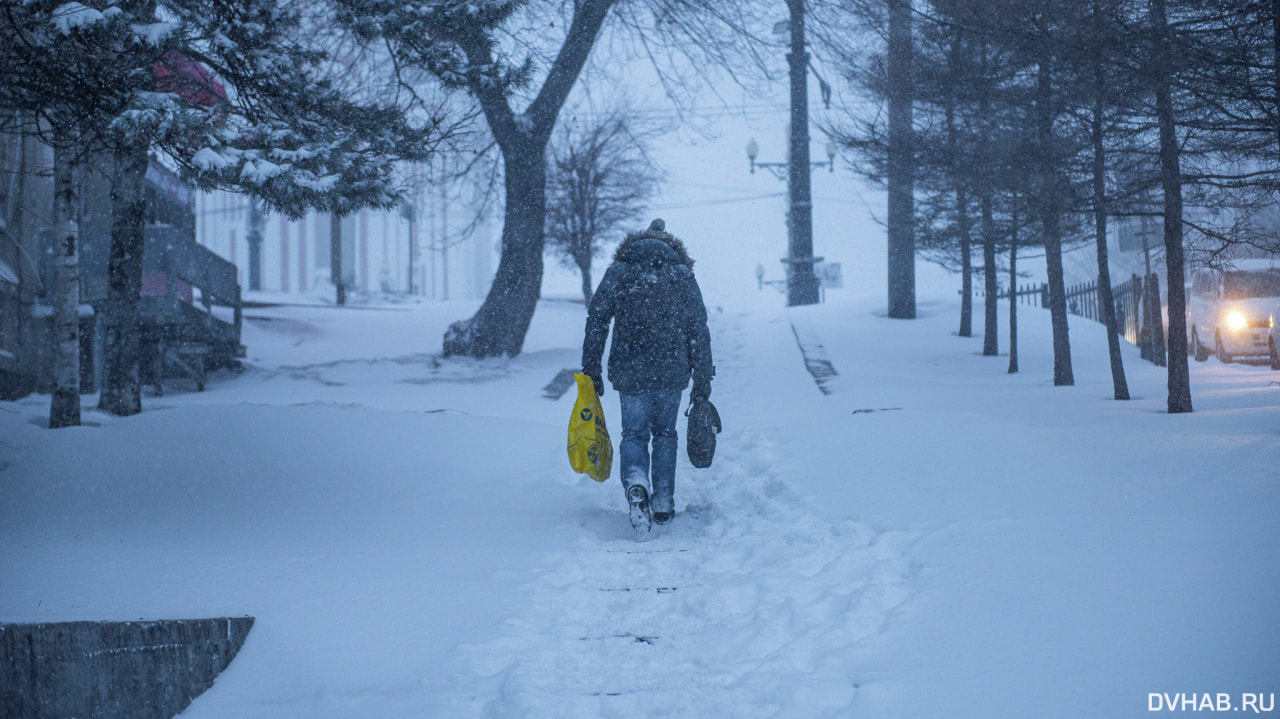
(457, 256)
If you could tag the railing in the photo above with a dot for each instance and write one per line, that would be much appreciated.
(175, 260)
(1128, 298)
(171, 266)
(1082, 301)
(1139, 322)
(1033, 295)
(175, 332)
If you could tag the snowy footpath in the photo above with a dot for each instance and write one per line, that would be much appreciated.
(893, 526)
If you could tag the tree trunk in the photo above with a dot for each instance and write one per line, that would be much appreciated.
(500, 325)
(1171, 179)
(253, 238)
(954, 72)
(65, 408)
(16, 386)
(121, 381)
(1275, 45)
(1119, 386)
(1156, 352)
(966, 264)
(990, 336)
(962, 213)
(1062, 373)
(1013, 289)
(1049, 204)
(584, 267)
(901, 166)
(335, 259)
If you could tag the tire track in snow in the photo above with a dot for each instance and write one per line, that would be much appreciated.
(746, 605)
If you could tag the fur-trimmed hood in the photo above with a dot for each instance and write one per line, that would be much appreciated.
(656, 231)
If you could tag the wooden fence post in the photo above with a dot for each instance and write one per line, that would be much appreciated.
(1121, 308)
(1140, 312)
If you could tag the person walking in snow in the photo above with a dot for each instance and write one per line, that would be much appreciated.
(660, 340)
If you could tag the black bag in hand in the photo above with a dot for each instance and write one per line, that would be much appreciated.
(704, 425)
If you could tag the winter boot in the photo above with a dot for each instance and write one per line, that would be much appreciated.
(638, 498)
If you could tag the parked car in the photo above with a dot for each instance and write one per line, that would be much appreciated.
(1231, 313)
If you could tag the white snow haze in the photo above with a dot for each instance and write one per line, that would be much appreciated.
(925, 535)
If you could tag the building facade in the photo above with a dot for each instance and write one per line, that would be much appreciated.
(432, 247)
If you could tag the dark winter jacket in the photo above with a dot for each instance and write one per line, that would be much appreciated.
(660, 335)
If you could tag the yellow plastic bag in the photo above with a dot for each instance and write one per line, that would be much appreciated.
(590, 451)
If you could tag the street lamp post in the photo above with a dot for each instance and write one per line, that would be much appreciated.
(779, 169)
(802, 283)
(780, 285)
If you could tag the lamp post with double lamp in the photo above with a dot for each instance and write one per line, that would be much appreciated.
(802, 283)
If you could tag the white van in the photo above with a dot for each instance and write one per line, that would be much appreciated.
(1231, 313)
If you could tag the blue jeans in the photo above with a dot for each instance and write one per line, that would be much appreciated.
(644, 414)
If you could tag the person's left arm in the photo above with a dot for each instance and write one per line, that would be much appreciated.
(699, 340)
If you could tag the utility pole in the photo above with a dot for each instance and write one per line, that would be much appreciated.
(901, 166)
(254, 238)
(802, 283)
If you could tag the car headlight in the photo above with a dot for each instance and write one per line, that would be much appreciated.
(1237, 321)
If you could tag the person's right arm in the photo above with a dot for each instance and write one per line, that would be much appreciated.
(599, 314)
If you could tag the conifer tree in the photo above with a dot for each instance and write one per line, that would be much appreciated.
(141, 77)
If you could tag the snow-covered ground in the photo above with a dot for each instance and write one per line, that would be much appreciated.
(934, 538)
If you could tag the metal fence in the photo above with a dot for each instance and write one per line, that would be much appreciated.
(1137, 303)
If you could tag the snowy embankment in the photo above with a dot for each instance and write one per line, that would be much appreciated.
(932, 538)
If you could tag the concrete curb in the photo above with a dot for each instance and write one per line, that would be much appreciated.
(141, 670)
